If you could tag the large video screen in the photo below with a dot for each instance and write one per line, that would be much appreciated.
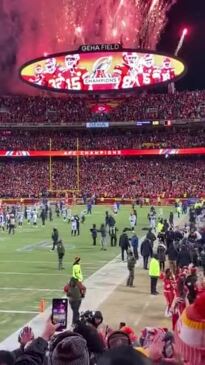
(101, 71)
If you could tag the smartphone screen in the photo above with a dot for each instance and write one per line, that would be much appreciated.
(59, 313)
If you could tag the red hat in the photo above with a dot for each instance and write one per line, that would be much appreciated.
(190, 332)
(130, 332)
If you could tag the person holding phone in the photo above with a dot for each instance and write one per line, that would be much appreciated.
(75, 292)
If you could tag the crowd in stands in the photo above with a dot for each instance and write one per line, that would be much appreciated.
(106, 177)
(185, 105)
(110, 139)
(60, 110)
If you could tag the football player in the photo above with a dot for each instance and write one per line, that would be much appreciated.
(150, 73)
(38, 77)
(53, 75)
(72, 74)
(128, 72)
(167, 71)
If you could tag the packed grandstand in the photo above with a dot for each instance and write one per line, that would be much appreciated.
(122, 177)
(60, 110)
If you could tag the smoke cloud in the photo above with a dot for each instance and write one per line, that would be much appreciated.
(32, 28)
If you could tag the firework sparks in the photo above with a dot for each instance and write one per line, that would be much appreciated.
(38, 26)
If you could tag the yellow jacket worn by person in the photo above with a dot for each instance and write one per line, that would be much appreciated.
(159, 227)
(154, 268)
(77, 273)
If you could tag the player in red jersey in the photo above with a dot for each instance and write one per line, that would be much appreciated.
(38, 76)
(73, 75)
(128, 72)
(151, 74)
(167, 71)
(169, 290)
(53, 74)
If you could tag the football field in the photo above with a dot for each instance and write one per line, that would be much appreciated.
(28, 269)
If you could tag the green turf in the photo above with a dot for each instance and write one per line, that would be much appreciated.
(37, 268)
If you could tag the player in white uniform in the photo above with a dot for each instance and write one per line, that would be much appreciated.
(28, 215)
(35, 217)
(69, 214)
(64, 213)
(132, 219)
(115, 209)
(20, 218)
(153, 220)
(2, 222)
(73, 226)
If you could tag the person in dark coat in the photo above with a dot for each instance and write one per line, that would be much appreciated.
(131, 267)
(124, 244)
(61, 253)
(50, 213)
(134, 244)
(161, 252)
(172, 254)
(75, 293)
(151, 236)
(190, 283)
(184, 257)
(113, 236)
(55, 237)
(146, 251)
(178, 235)
(94, 234)
(43, 217)
(171, 218)
(169, 236)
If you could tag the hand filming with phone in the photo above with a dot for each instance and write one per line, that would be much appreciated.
(59, 313)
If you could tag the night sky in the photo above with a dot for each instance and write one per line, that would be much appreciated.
(190, 14)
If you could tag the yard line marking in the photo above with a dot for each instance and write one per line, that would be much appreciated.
(47, 262)
(146, 305)
(18, 312)
(33, 289)
(31, 273)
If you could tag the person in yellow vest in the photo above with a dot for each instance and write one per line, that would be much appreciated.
(159, 226)
(77, 272)
(154, 273)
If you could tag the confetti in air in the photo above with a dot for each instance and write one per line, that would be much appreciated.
(35, 27)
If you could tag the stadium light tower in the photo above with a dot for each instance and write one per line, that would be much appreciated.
(171, 87)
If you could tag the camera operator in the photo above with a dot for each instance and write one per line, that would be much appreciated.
(87, 327)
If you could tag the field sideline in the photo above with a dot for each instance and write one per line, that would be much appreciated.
(28, 270)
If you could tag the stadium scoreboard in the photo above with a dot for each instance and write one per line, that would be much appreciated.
(101, 68)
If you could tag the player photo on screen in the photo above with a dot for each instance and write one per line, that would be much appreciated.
(102, 71)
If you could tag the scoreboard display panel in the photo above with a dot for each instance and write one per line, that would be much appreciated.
(103, 70)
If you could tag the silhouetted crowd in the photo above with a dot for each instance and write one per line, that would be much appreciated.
(105, 177)
(102, 139)
(64, 111)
